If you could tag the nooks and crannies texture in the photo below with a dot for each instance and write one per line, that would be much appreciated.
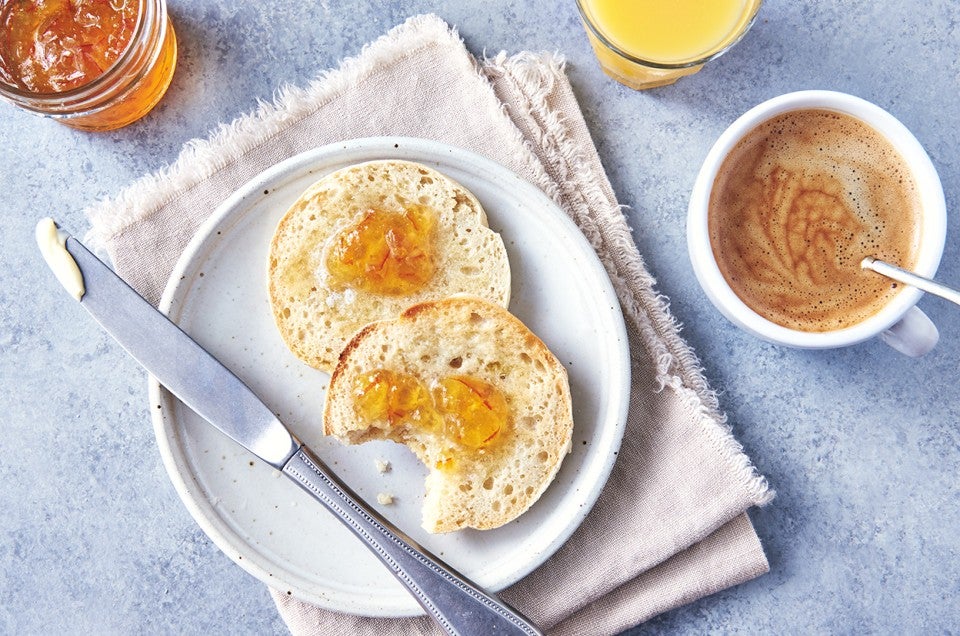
(317, 314)
(482, 487)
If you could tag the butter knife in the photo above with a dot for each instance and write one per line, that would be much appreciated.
(206, 386)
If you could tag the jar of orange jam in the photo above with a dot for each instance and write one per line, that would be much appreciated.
(90, 64)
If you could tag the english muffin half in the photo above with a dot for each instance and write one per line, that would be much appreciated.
(367, 241)
(472, 392)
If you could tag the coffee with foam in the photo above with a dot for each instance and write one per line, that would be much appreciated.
(798, 203)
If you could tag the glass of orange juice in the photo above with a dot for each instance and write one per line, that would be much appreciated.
(649, 43)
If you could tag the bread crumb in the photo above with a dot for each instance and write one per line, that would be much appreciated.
(383, 466)
(384, 499)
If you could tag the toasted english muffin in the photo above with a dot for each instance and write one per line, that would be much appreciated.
(473, 392)
(397, 233)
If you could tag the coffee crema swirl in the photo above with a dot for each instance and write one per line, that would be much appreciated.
(795, 207)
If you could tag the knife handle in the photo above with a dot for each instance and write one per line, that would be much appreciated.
(456, 604)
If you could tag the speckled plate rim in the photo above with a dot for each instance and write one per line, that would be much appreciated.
(583, 473)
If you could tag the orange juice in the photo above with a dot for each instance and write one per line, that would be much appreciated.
(645, 43)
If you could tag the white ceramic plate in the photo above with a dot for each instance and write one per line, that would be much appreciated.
(218, 294)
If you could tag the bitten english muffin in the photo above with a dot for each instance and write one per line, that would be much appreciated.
(472, 392)
(367, 241)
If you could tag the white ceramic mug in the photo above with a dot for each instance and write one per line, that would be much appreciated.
(899, 323)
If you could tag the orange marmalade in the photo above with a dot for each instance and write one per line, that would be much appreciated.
(50, 46)
(92, 64)
(462, 411)
(384, 252)
(474, 411)
(399, 398)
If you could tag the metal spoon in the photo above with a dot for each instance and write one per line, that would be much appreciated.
(902, 275)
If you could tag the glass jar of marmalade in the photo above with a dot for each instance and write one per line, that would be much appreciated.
(89, 64)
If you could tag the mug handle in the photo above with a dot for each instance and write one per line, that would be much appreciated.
(914, 335)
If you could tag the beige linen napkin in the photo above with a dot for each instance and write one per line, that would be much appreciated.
(670, 526)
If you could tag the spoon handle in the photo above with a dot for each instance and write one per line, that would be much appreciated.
(902, 275)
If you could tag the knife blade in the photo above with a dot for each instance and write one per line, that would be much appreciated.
(206, 386)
